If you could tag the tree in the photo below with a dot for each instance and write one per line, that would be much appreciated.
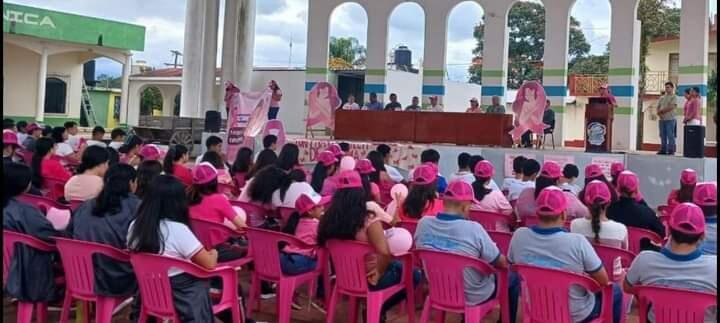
(590, 64)
(108, 81)
(348, 49)
(150, 100)
(526, 23)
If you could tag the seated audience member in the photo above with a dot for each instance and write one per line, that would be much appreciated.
(567, 181)
(549, 245)
(129, 151)
(45, 166)
(34, 132)
(9, 124)
(337, 151)
(517, 166)
(10, 146)
(174, 164)
(688, 180)
(113, 156)
(241, 166)
(98, 133)
(432, 156)
(415, 105)
(680, 263)
(598, 228)
(705, 196)
(266, 158)
(105, 220)
(325, 168)
(117, 138)
(270, 142)
(628, 211)
(464, 172)
(393, 105)
(530, 170)
(215, 159)
(289, 158)
(422, 199)
(615, 169)
(88, 182)
(381, 175)
(474, 160)
(373, 104)
(486, 199)
(451, 231)
(212, 143)
(62, 148)
(291, 188)
(21, 131)
(303, 224)
(31, 275)
(392, 172)
(73, 138)
(350, 104)
(47, 131)
(593, 172)
(151, 152)
(260, 188)
(549, 176)
(345, 147)
(146, 173)
(372, 190)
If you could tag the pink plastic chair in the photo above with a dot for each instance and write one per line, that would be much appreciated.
(491, 221)
(156, 292)
(444, 272)
(637, 234)
(212, 234)
(673, 305)
(55, 188)
(25, 155)
(77, 260)
(348, 257)
(545, 294)
(10, 239)
(501, 239)
(285, 213)
(74, 204)
(256, 213)
(264, 246)
(607, 256)
(42, 203)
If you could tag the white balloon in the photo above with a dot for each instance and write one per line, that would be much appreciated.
(347, 163)
(399, 240)
(399, 188)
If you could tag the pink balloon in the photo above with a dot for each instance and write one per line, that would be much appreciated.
(347, 163)
(241, 213)
(399, 240)
(399, 188)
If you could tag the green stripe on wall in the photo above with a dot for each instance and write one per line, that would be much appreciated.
(554, 72)
(375, 72)
(693, 69)
(624, 111)
(433, 73)
(53, 121)
(316, 70)
(492, 73)
(621, 71)
(558, 108)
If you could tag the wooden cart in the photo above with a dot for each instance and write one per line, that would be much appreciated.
(171, 130)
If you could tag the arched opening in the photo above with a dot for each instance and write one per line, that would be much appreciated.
(464, 49)
(526, 42)
(55, 95)
(348, 49)
(406, 44)
(151, 101)
(588, 49)
(102, 77)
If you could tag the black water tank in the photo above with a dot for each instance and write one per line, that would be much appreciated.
(403, 57)
(89, 73)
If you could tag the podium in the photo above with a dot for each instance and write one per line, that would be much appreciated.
(598, 125)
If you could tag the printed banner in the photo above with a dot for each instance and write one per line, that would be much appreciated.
(275, 128)
(405, 156)
(323, 99)
(562, 160)
(509, 162)
(605, 163)
(247, 114)
(529, 107)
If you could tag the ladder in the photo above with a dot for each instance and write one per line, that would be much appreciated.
(87, 106)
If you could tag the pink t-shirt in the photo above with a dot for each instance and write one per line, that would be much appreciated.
(692, 110)
(306, 231)
(183, 174)
(526, 205)
(494, 202)
(431, 209)
(223, 176)
(83, 187)
(213, 207)
(329, 186)
(375, 191)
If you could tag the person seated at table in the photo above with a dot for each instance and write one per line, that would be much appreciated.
(350, 104)
(496, 107)
(415, 105)
(373, 104)
(435, 105)
(393, 105)
(474, 106)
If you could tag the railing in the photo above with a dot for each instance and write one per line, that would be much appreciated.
(655, 81)
(586, 84)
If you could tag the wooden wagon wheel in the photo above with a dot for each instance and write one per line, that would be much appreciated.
(184, 138)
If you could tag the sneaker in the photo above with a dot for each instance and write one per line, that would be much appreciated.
(267, 296)
(661, 153)
(319, 307)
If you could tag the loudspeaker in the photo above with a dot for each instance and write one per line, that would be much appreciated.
(213, 119)
(694, 142)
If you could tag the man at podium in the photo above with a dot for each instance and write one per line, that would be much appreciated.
(605, 93)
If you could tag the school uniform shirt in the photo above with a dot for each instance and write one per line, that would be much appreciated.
(431, 209)
(73, 141)
(453, 233)
(709, 245)
(29, 143)
(693, 271)
(183, 174)
(572, 188)
(493, 202)
(214, 207)
(63, 149)
(526, 205)
(115, 145)
(112, 278)
(469, 178)
(30, 276)
(83, 187)
(394, 174)
(633, 214)
(178, 241)
(558, 249)
(515, 188)
(291, 195)
(306, 231)
(611, 233)
(509, 181)
(21, 136)
(96, 143)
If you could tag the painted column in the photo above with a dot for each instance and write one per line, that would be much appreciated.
(318, 38)
(229, 46)
(192, 58)
(245, 45)
(623, 75)
(557, 24)
(435, 52)
(209, 57)
(42, 76)
(377, 52)
(495, 52)
(125, 93)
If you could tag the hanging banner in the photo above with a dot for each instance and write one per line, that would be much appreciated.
(529, 107)
(323, 99)
(247, 114)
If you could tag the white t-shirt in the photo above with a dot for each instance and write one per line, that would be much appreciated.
(21, 137)
(73, 141)
(572, 188)
(292, 194)
(516, 188)
(178, 240)
(116, 145)
(96, 143)
(613, 234)
(351, 106)
(469, 178)
(394, 173)
(508, 181)
(63, 149)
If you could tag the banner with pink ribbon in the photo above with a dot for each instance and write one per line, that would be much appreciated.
(529, 107)
(247, 114)
(323, 99)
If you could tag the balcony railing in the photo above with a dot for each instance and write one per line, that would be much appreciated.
(588, 84)
(655, 81)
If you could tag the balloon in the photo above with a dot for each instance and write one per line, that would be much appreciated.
(347, 163)
(241, 213)
(399, 189)
(399, 240)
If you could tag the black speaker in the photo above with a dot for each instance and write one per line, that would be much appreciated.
(89, 73)
(694, 141)
(213, 119)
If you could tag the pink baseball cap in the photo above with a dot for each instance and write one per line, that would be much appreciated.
(150, 152)
(484, 169)
(32, 127)
(424, 174)
(204, 173)
(550, 169)
(688, 177)
(364, 166)
(597, 191)
(348, 179)
(9, 138)
(705, 194)
(460, 191)
(687, 218)
(551, 201)
(336, 150)
(628, 181)
(326, 158)
(616, 168)
(305, 202)
(593, 170)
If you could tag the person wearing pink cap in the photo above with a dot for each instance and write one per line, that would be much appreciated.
(217, 161)
(34, 132)
(422, 199)
(323, 179)
(688, 180)
(365, 168)
(292, 187)
(206, 202)
(550, 174)
(150, 152)
(605, 93)
(593, 172)
(45, 166)
(628, 211)
(615, 169)
(598, 228)
(549, 245)
(705, 196)
(451, 231)
(10, 145)
(486, 199)
(680, 263)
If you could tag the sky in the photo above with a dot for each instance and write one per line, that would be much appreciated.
(282, 22)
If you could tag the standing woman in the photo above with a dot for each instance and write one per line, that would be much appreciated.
(45, 166)
(174, 164)
(324, 170)
(275, 100)
(88, 182)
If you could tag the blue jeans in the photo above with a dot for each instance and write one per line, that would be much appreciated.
(295, 264)
(668, 132)
(392, 276)
(273, 112)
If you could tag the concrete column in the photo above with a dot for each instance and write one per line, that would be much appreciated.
(229, 46)
(125, 88)
(245, 45)
(209, 57)
(317, 44)
(42, 76)
(623, 75)
(377, 52)
(168, 97)
(495, 51)
(192, 58)
(557, 24)
(434, 58)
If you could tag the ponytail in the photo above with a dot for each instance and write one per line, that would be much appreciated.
(292, 223)
(43, 146)
(116, 188)
(595, 211)
(173, 155)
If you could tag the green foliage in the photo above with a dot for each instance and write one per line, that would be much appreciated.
(150, 99)
(658, 18)
(107, 81)
(347, 49)
(712, 88)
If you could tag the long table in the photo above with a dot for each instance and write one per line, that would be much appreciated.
(425, 127)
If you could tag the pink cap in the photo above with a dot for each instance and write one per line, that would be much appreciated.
(593, 170)
(32, 127)
(424, 174)
(336, 150)
(460, 191)
(204, 173)
(305, 202)
(348, 179)
(705, 194)
(688, 177)
(551, 201)
(326, 158)
(628, 181)
(550, 169)
(484, 169)
(687, 218)
(597, 191)
(9, 138)
(150, 152)
(616, 168)
(364, 166)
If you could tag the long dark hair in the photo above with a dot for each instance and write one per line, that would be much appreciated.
(131, 142)
(345, 216)
(174, 154)
(116, 188)
(165, 200)
(57, 134)
(43, 146)
(198, 191)
(685, 193)
(295, 176)
(543, 182)
(418, 199)
(319, 174)
(611, 188)
(146, 173)
(266, 158)
(16, 178)
(292, 223)
(479, 187)
(376, 159)
(365, 178)
(214, 159)
(243, 161)
(596, 209)
(265, 183)
(288, 157)
(92, 157)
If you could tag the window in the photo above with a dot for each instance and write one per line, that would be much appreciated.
(55, 94)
